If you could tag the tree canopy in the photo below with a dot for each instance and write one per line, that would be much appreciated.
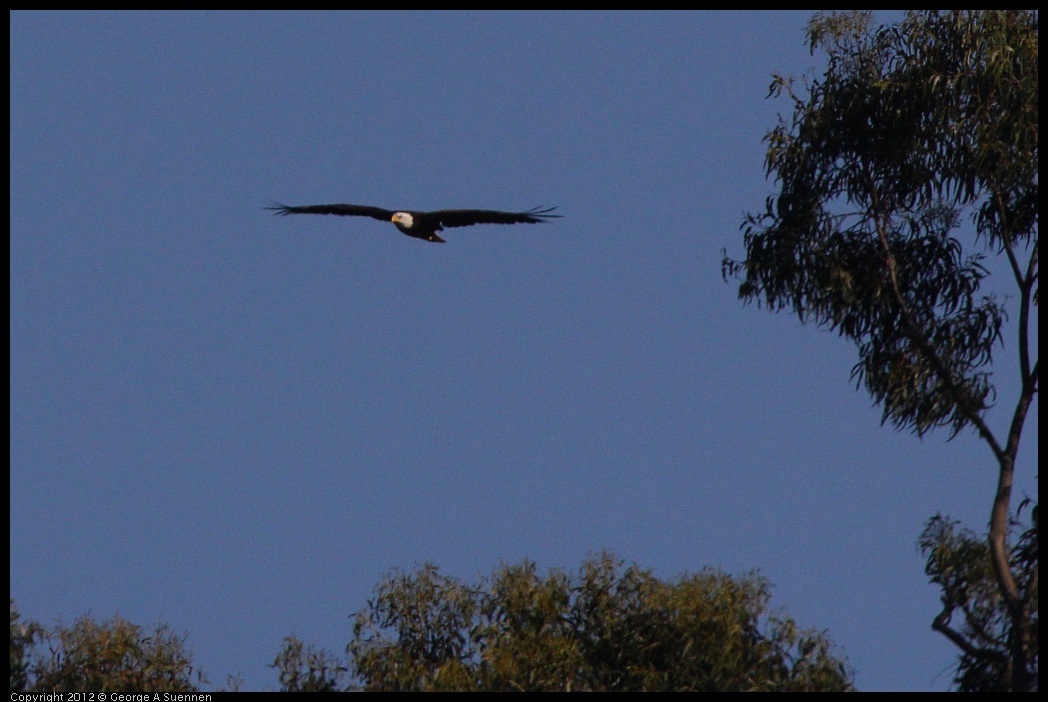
(110, 656)
(605, 628)
(905, 166)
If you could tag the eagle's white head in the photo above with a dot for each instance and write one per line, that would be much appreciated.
(404, 219)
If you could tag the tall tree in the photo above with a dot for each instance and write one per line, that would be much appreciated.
(606, 628)
(917, 133)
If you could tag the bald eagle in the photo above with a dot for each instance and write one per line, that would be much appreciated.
(423, 225)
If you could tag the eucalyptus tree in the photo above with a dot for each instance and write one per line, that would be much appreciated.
(101, 657)
(605, 628)
(902, 170)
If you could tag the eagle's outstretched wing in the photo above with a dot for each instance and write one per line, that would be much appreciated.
(344, 210)
(467, 218)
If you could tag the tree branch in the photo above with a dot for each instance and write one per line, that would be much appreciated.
(1005, 458)
(941, 624)
(914, 331)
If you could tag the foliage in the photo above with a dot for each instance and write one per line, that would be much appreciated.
(305, 669)
(916, 133)
(112, 656)
(959, 562)
(875, 166)
(23, 637)
(608, 628)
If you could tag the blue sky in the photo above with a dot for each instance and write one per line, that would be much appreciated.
(237, 423)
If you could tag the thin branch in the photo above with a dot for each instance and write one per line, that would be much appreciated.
(1025, 294)
(1002, 213)
(915, 333)
(941, 624)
